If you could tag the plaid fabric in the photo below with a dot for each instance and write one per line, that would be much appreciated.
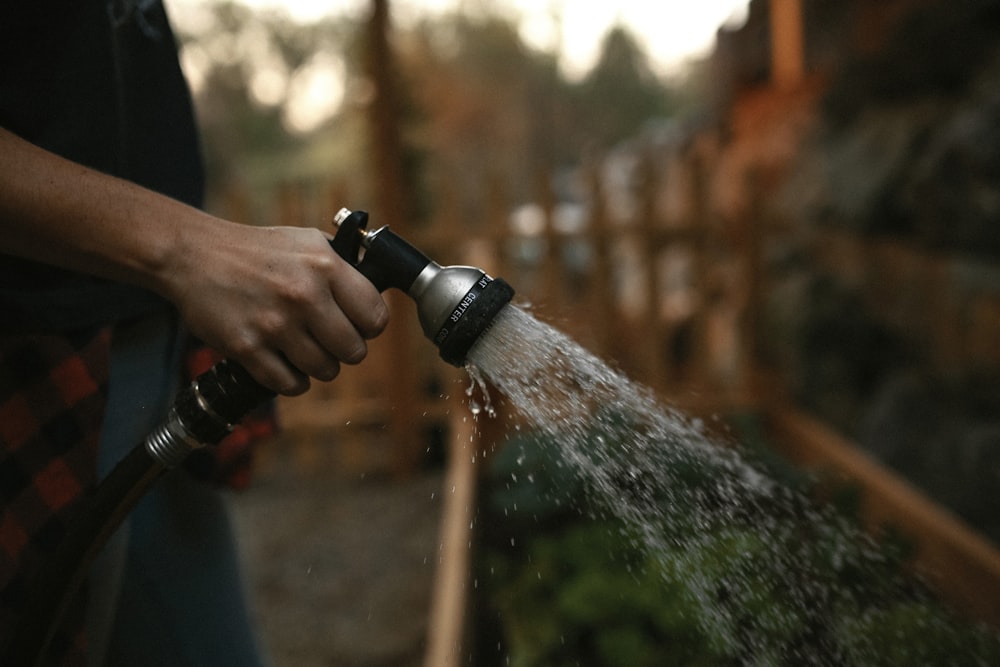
(52, 393)
(53, 390)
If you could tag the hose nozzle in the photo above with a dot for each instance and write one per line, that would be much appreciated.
(455, 304)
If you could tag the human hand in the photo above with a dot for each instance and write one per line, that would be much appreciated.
(277, 300)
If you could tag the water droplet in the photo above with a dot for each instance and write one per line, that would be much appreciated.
(477, 406)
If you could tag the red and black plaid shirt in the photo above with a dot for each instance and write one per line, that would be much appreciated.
(53, 391)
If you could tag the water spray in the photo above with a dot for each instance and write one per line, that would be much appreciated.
(455, 306)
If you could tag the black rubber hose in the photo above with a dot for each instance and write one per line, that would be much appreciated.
(60, 578)
(205, 410)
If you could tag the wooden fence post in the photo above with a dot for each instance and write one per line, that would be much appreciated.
(601, 288)
(787, 43)
(643, 236)
(450, 594)
(394, 202)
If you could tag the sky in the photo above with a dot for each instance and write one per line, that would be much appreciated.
(672, 31)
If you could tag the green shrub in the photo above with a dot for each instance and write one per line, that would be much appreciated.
(782, 583)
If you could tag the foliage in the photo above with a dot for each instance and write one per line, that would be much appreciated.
(784, 584)
(593, 603)
(481, 104)
(247, 70)
(486, 93)
(905, 148)
(935, 51)
(622, 92)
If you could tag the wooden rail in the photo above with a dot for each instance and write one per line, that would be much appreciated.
(958, 563)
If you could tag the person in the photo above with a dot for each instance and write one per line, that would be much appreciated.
(107, 268)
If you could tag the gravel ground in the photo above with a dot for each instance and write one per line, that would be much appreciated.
(340, 570)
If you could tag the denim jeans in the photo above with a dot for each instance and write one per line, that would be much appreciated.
(167, 588)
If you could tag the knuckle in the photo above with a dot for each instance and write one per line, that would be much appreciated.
(379, 321)
(297, 292)
(356, 354)
(290, 380)
(279, 378)
(243, 344)
(272, 323)
(373, 322)
(294, 386)
(329, 372)
(323, 370)
(328, 262)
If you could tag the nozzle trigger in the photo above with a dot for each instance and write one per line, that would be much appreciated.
(389, 261)
(347, 241)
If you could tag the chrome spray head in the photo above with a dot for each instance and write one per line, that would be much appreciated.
(455, 304)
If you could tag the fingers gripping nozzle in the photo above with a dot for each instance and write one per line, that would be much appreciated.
(455, 304)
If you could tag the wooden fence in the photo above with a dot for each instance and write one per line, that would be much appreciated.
(648, 283)
(634, 265)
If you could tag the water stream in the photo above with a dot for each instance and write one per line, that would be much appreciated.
(797, 584)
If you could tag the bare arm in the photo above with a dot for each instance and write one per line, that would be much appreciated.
(276, 299)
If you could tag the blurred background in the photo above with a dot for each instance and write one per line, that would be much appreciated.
(754, 208)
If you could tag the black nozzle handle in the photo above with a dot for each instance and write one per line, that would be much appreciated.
(350, 233)
(218, 399)
(205, 412)
(388, 259)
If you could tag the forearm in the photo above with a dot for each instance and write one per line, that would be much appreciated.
(62, 213)
(277, 299)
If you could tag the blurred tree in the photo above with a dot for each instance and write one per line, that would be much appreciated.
(621, 92)
(252, 73)
(487, 101)
(497, 109)
(477, 105)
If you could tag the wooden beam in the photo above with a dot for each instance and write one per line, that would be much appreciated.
(449, 600)
(787, 43)
(962, 567)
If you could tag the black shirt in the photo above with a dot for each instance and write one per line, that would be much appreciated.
(97, 82)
